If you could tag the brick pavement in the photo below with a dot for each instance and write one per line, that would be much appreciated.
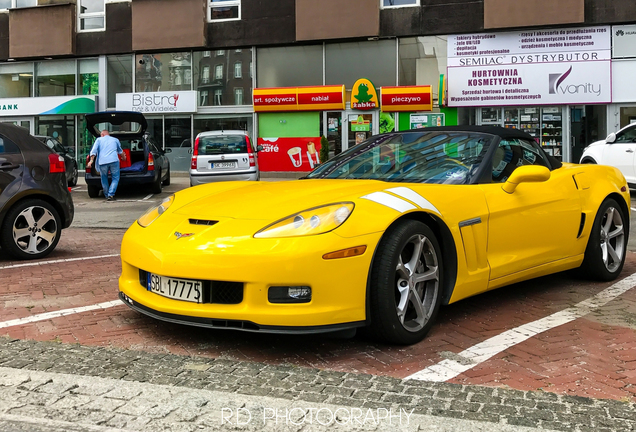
(593, 356)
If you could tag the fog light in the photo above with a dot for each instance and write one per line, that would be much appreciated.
(289, 294)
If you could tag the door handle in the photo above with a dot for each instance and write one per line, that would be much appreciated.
(629, 151)
(8, 166)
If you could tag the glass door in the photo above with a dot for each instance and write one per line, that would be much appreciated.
(332, 122)
(25, 122)
(361, 125)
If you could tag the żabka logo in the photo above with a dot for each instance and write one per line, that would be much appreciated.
(154, 103)
(557, 86)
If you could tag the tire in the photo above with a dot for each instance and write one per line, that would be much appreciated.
(73, 180)
(394, 290)
(589, 161)
(93, 191)
(156, 186)
(166, 182)
(607, 245)
(31, 229)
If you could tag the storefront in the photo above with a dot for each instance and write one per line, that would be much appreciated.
(623, 110)
(554, 84)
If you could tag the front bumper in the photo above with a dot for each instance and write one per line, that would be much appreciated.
(338, 286)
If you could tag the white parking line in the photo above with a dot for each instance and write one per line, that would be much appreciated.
(473, 356)
(56, 314)
(40, 263)
(77, 188)
(148, 197)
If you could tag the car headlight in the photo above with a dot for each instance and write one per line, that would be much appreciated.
(154, 212)
(314, 221)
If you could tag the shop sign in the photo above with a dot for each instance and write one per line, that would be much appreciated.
(359, 124)
(48, 105)
(407, 98)
(318, 98)
(364, 96)
(289, 154)
(531, 67)
(419, 121)
(158, 102)
(624, 41)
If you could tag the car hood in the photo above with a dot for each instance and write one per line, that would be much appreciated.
(269, 201)
(596, 144)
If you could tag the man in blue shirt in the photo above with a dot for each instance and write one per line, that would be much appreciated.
(106, 149)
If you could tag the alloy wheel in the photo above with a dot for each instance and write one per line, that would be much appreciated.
(417, 283)
(34, 230)
(612, 239)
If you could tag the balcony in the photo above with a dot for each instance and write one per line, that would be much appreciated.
(39, 31)
(507, 13)
(335, 19)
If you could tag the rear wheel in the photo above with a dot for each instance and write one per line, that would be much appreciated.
(73, 180)
(156, 186)
(31, 229)
(166, 182)
(93, 191)
(406, 282)
(605, 252)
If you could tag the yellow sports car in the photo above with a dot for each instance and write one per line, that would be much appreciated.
(378, 237)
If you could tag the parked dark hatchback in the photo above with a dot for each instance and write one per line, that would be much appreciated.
(145, 163)
(69, 159)
(35, 203)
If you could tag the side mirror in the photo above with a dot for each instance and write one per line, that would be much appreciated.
(526, 174)
(259, 148)
(611, 138)
(168, 150)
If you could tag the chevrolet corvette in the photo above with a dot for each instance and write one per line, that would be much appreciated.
(380, 237)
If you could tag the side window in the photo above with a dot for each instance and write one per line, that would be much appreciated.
(513, 153)
(628, 136)
(7, 146)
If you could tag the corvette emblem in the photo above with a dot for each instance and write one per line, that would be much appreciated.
(179, 235)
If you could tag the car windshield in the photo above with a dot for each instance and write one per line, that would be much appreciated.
(219, 144)
(416, 157)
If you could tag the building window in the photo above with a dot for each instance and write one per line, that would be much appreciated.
(224, 10)
(218, 72)
(218, 97)
(398, 3)
(238, 96)
(163, 72)
(220, 53)
(205, 75)
(12, 4)
(206, 53)
(238, 70)
(91, 15)
(239, 50)
(203, 98)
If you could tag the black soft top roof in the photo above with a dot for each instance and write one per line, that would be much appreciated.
(491, 130)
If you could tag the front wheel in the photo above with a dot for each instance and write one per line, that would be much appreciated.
(31, 229)
(156, 186)
(606, 247)
(93, 191)
(73, 180)
(166, 182)
(406, 281)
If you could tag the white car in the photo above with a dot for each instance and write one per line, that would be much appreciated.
(223, 155)
(617, 150)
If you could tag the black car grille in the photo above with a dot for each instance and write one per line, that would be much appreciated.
(214, 292)
(203, 222)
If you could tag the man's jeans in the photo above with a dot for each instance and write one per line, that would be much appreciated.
(114, 172)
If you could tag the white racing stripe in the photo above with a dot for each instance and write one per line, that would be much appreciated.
(56, 314)
(473, 356)
(413, 196)
(41, 263)
(390, 201)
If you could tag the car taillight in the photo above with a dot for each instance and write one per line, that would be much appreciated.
(195, 153)
(56, 163)
(151, 162)
(250, 154)
(88, 159)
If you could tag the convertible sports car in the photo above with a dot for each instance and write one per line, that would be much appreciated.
(380, 236)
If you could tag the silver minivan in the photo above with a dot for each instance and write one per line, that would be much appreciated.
(223, 155)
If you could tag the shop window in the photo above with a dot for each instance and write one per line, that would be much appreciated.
(375, 60)
(385, 4)
(224, 10)
(89, 77)
(119, 70)
(55, 78)
(218, 97)
(163, 72)
(422, 60)
(205, 75)
(218, 72)
(12, 4)
(91, 15)
(16, 80)
(238, 96)
(291, 66)
(238, 70)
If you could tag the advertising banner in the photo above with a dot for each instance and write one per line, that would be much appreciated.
(48, 105)
(407, 98)
(289, 154)
(419, 121)
(624, 41)
(158, 102)
(316, 98)
(533, 67)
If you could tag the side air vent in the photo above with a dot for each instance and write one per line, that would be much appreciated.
(582, 225)
(203, 222)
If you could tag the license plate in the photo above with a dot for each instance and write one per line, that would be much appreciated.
(222, 164)
(178, 289)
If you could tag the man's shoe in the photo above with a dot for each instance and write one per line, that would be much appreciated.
(110, 198)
